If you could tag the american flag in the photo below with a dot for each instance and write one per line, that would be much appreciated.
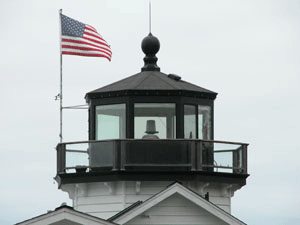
(81, 39)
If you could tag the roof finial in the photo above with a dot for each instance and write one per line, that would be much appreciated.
(150, 46)
(150, 16)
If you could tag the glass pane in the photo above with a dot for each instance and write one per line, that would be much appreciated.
(189, 121)
(154, 120)
(227, 157)
(204, 122)
(223, 159)
(74, 159)
(110, 121)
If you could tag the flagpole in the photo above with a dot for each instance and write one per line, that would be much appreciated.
(60, 93)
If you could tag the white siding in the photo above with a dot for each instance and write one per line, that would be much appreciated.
(147, 189)
(106, 199)
(223, 202)
(176, 210)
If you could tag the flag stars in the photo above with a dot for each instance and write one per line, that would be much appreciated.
(71, 27)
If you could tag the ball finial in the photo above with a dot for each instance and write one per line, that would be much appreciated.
(150, 46)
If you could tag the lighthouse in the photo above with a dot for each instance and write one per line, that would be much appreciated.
(151, 157)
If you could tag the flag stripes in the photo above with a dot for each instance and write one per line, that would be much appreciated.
(82, 39)
(70, 41)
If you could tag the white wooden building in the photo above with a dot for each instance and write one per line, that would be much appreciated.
(175, 204)
(151, 157)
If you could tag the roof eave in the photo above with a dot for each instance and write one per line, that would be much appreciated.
(153, 92)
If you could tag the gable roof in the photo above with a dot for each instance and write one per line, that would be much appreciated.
(151, 80)
(65, 215)
(176, 188)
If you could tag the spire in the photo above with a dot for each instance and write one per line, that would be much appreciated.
(150, 46)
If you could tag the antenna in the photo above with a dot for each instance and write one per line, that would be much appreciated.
(149, 16)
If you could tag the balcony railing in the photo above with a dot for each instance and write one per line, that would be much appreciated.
(152, 155)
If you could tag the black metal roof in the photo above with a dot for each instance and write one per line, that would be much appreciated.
(149, 81)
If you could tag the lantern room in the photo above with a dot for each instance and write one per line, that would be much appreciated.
(151, 126)
(151, 105)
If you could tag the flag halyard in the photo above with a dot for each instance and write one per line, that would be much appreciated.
(82, 39)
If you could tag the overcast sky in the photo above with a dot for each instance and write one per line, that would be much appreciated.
(247, 52)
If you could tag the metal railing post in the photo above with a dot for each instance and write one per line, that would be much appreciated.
(115, 154)
(235, 161)
(199, 155)
(123, 155)
(192, 147)
(61, 158)
(245, 164)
